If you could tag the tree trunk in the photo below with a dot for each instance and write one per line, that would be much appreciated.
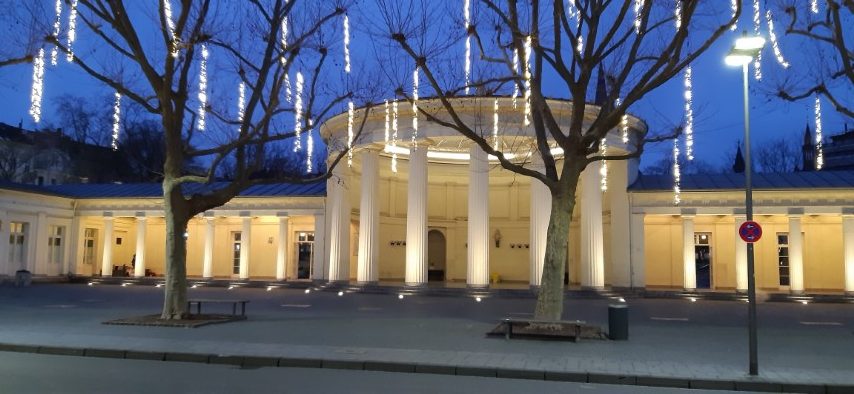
(550, 297)
(175, 298)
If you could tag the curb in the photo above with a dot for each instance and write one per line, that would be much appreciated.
(409, 367)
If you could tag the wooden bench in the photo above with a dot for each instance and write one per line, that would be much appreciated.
(199, 301)
(543, 328)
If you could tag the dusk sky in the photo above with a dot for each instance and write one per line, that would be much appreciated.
(717, 99)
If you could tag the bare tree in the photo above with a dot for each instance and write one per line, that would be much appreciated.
(777, 155)
(14, 162)
(569, 45)
(825, 38)
(160, 76)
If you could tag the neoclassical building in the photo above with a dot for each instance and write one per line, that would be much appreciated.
(428, 206)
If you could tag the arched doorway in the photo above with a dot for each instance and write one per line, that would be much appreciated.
(436, 250)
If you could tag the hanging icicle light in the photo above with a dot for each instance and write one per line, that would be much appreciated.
(467, 18)
(346, 44)
(603, 167)
(689, 114)
(309, 148)
(203, 88)
(527, 120)
(350, 112)
(38, 87)
(495, 144)
(575, 15)
(757, 63)
(415, 107)
(774, 44)
(394, 136)
(677, 14)
(624, 123)
(579, 44)
(733, 5)
(677, 176)
(57, 25)
(638, 15)
(515, 72)
(387, 120)
(72, 31)
(298, 114)
(284, 42)
(170, 27)
(819, 140)
(814, 6)
(117, 117)
(241, 101)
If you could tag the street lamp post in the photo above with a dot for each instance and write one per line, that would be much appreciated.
(743, 52)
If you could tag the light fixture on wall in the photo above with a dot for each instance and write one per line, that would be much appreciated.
(497, 237)
(270, 240)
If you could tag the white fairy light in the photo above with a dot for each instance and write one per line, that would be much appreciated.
(467, 18)
(298, 113)
(774, 44)
(814, 6)
(579, 44)
(387, 120)
(733, 5)
(757, 63)
(346, 44)
(624, 124)
(38, 87)
(495, 125)
(677, 14)
(677, 176)
(350, 111)
(515, 72)
(170, 27)
(638, 15)
(689, 114)
(527, 120)
(819, 140)
(57, 25)
(309, 146)
(284, 42)
(203, 88)
(603, 167)
(241, 101)
(415, 107)
(394, 136)
(72, 31)
(575, 14)
(117, 117)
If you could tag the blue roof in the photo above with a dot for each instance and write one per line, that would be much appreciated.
(776, 181)
(155, 190)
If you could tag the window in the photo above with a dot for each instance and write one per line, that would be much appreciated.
(90, 236)
(40, 180)
(54, 244)
(236, 245)
(17, 245)
(783, 258)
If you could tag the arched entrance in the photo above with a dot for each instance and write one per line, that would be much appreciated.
(436, 251)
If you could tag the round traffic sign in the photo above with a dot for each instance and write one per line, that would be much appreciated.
(750, 231)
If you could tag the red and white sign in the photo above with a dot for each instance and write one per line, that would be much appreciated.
(750, 231)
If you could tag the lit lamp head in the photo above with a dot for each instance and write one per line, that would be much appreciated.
(746, 48)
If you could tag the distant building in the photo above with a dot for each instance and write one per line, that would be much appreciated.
(50, 158)
(837, 152)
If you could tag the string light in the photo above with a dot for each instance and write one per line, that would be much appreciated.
(814, 6)
(415, 107)
(677, 14)
(527, 120)
(757, 63)
(38, 87)
(241, 101)
(387, 118)
(203, 88)
(733, 5)
(346, 44)
(776, 46)
(689, 114)
(309, 147)
(57, 25)
(350, 111)
(117, 117)
(495, 125)
(467, 17)
(515, 72)
(298, 113)
(170, 27)
(624, 123)
(819, 157)
(72, 31)
(603, 167)
(575, 14)
(638, 12)
(284, 42)
(394, 136)
(677, 176)
(579, 44)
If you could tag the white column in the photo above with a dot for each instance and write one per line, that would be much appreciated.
(638, 251)
(338, 196)
(848, 247)
(4, 243)
(477, 273)
(109, 239)
(740, 257)
(620, 231)
(282, 249)
(592, 248)
(318, 257)
(796, 255)
(689, 259)
(541, 205)
(37, 263)
(245, 247)
(207, 262)
(369, 219)
(74, 243)
(416, 218)
(139, 262)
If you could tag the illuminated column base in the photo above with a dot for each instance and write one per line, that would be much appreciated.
(139, 260)
(592, 246)
(740, 258)
(541, 204)
(477, 273)
(339, 225)
(796, 255)
(207, 263)
(416, 218)
(369, 218)
(107, 259)
(245, 245)
(689, 259)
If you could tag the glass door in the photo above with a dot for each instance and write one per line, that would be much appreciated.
(17, 245)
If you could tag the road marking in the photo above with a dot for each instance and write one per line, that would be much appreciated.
(62, 306)
(669, 318)
(295, 305)
(370, 308)
(821, 323)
